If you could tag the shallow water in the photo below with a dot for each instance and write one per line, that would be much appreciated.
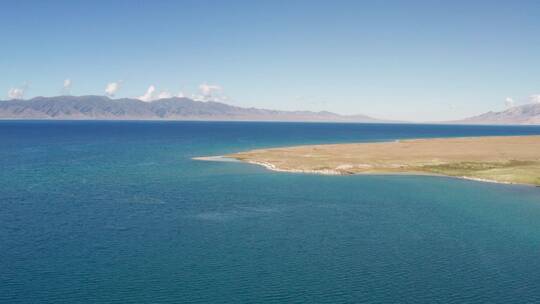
(118, 212)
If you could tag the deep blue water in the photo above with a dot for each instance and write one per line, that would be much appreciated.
(117, 212)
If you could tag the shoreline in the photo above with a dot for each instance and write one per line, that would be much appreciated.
(272, 167)
(217, 158)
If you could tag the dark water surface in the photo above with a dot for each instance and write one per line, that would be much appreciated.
(117, 212)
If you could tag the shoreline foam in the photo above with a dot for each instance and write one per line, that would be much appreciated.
(218, 158)
(272, 167)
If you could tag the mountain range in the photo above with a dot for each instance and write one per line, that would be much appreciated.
(103, 108)
(527, 114)
(92, 107)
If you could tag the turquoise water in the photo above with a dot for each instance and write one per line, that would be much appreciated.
(117, 212)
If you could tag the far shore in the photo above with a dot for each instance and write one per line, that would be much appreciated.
(495, 159)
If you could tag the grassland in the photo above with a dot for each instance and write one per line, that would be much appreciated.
(505, 159)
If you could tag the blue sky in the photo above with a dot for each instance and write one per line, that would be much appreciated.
(411, 60)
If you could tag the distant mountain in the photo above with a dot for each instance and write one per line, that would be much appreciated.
(525, 114)
(104, 108)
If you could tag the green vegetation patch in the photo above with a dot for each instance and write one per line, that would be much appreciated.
(514, 171)
(477, 166)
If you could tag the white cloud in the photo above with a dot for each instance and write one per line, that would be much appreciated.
(67, 86)
(16, 93)
(208, 89)
(180, 95)
(534, 98)
(509, 102)
(67, 83)
(112, 88)
(197, 97)
(164, 94)
(209, 92)
(152, 94)
(149, 95)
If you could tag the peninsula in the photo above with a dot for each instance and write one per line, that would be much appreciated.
(504, 159)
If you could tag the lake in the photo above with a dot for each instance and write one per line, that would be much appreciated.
(118, 212)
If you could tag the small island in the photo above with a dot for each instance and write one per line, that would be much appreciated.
(502, 159)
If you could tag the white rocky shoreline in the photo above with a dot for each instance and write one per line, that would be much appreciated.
(272, 167)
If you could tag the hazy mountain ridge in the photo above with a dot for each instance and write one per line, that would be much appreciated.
(524, 114)
(93, 107)
(103, 108)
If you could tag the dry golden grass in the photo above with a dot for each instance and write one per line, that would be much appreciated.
(511, 159)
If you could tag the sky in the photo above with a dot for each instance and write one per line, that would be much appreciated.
(404, 60)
